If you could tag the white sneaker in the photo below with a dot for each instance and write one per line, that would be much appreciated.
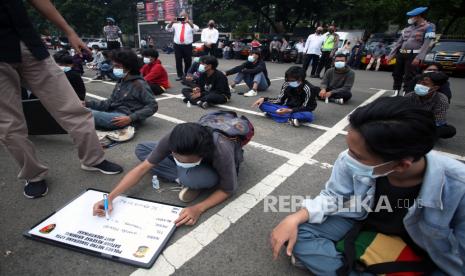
(122, 135)
(251, 93)
(231, 89)
(339, 101)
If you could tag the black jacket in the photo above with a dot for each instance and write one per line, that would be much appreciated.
(250, 68)
(216, 83)
(299, 99)
(132, 97)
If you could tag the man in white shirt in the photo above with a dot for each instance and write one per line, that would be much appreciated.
(183, 37)
(312, 51)
(210, 38)
(300, 47)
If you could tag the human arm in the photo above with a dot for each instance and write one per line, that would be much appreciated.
(216, 35)
(203, 36)
(220, 85)
(396, 48)
(145, 96)
(99, 105)
(169, 27)
(235, 70)
(286, 231)
(430, 35)
(260, 67)
(46, 8)
(347, 86)
(309, 103)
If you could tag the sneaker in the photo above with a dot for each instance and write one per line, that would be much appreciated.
(204, 105)
(251, 93)
(232, 89)
(297, 263)
(106, 167)
(185, 100)
(35, 189)
(339, 101)
(294, 122)
(241, 93)
(122, 135)
(178, 78)
(187, 194)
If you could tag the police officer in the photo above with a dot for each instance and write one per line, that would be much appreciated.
(112, 34)
(412, 47)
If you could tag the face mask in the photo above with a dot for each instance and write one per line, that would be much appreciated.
(94, 52)
(411, 21)
(362, 169)
(251, 58)
(66, 69)
(146, 60)
(202, 68)
(294, 84)
(197, 59)
(428, 71)
(339, 64)
(118, 72)
(186, 165)
(421, 90)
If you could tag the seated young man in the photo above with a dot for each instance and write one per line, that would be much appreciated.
(253, 72)
(212, 87)
(132, 100)
(193, 74)
(427, 95)
(337, 82)
(389, 162)
(445, 88)
(296, 101)
(65, 61)
(153, 72)
(195, 157)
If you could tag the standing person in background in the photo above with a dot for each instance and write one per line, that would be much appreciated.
(328, 50)
(183, 37)
(411, 48)
(209, 38)
(255, 44)
(356, 55)
(112, 34)
(23, 57)
(275, 46)
(376, 54)
(284, 45)
(143, 43)
(300, 46)
(312, 51)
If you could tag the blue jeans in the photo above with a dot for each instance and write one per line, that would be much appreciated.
(249, 79)
(316, 245)
(202, 176)
(271, 108)
(103, 119)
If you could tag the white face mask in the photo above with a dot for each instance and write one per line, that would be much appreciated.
(294, 84)
(146, 60)
(251, 58)
(118, 72)
(361, 169)
(411, 21)
(186, 165)
(421, 90)
(339, 64)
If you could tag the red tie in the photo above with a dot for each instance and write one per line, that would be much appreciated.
(183, 29)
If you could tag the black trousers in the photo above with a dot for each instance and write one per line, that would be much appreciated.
(446, 131)
(211, 98)
(210, 51)
(274, 54)
(325, 62)
(182, 53)
(404, 71)
(113, 45)
(156, 89)
(313, 60)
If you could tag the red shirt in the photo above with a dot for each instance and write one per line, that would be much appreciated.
(155, 73)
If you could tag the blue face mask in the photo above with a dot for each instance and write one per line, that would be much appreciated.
(202, 68)
(294, 84)
(251, 58)
(361, 169)
(146, 60)
(197, 59)
(421, 90)
(66, 69)
(339, 64)
(186, 165)
(118, 72)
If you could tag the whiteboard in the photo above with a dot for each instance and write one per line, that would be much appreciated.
(135, 234)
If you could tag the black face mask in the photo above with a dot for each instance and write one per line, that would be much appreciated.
(331, 31)
(211, 25)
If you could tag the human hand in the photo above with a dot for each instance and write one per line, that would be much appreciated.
(121, 121)
(322, 93)
(99, 208)
(189, 78)
(77, 44)
(188, 216)
(286, 231)
(283, 111)
(258, 102)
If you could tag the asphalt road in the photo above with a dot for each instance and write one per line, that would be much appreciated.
(230, 239)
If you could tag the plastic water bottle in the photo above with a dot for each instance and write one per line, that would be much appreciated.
(326, 100)
(189, 104)
(155, 182)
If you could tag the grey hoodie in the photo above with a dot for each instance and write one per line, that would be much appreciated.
(336, 81)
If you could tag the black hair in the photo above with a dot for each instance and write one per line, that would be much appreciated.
(295, 72)
(192, 139)
(210, 60)
(394, 128)
(128, 59)
(106, 54)
(150, 53)
(63, 57)
(96, 47)
(438, 78)
(257, 52)
(340, 55)
(438, 65)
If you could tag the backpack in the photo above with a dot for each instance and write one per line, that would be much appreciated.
(229, 124)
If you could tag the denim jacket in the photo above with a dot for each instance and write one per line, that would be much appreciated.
(436, 222)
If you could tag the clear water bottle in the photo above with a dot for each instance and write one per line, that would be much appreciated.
(189, 104)
(155, 182)
(326, 100)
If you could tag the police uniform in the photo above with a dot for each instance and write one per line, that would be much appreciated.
(414, 42)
